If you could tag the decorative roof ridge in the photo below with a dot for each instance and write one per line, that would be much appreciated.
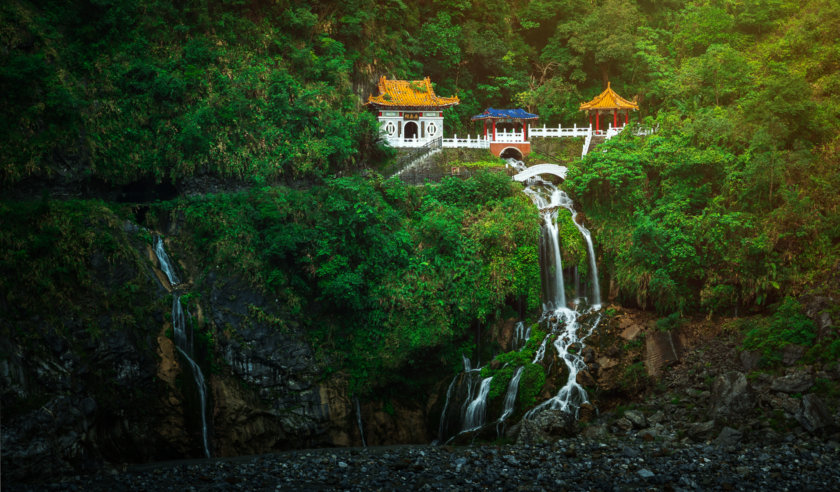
(609, 99)
(409, 93)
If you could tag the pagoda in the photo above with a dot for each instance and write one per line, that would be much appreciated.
(606, 102)
(409, 111)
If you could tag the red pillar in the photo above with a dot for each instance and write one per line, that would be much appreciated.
(627, 117)
(524, 132)
(494, 130)
(598, 121)
(485, 128)
(615, 118)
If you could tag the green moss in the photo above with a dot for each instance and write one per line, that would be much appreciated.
(532, 382)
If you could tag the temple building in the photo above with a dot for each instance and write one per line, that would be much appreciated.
(507, 144)
(608, 102)
(409, 111)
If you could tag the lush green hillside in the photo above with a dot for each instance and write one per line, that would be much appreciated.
(383, 275)
(733, 204)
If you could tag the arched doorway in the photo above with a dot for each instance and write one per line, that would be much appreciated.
(511, 153)
(410, 130)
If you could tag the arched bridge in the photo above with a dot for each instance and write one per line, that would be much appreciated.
(559, 171)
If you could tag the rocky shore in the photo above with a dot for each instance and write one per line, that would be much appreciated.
(627, 463)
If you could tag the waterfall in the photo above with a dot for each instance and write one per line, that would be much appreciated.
(510, 396)
(184, 344)
(474, 417)
(565, 333)
(565, 330)
(442, 424)
(566, 202)
(521, 335)
(164, 262)
(453, 418)
(202, 395)
(183, 337)
(359, 421)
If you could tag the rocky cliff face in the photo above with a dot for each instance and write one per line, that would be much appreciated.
(82, 388)
(109, 387)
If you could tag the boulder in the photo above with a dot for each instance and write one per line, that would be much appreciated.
(631, 332)
(656, 418)
(728, 437)
(731, 396)
(796, 382)
(584, 378)
(817, 308)
(700, 430)
(547, 425)
(624, 424)
(791, 354)
(595, 432)
(813, 415)
(661, 350)
(749, 359)
(784, 402)
(637, 418)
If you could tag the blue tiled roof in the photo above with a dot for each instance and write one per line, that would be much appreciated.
(509, 114)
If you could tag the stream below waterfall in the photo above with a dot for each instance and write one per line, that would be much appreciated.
(565, 330)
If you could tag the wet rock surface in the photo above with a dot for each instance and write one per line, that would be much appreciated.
(564, 464)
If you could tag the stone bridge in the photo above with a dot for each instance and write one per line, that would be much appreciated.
(559, 171)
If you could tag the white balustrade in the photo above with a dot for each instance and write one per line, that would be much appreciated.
(466, 143)
(558, 132)
(508, 136)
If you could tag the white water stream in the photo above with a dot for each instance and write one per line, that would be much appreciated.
(565, 333)
(182, 333)
(564, 328)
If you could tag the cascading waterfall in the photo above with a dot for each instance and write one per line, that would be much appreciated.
(565, 333)
(182, 333)
(470, 416)
(510, 396)
(165, 264)
(359, 420)
(564, 201)
(475, 415)
(562, 322)
(521, 335)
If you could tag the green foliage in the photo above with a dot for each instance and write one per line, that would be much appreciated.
(788, 325)
(530, 385)
(382, 274)
(731, 205)
(162, 92)
(533, 375)
(670, 322)
(634, 377)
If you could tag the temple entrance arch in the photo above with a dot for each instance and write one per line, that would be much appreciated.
(410, 130)
(511, 153)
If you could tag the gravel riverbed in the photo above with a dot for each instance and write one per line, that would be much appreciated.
(568, 464)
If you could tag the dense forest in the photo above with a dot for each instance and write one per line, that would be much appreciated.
(741, 176)
(730, 209)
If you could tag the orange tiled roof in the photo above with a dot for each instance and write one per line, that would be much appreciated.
(608, 100)
(409, 93)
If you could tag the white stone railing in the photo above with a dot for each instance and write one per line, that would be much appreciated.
(478, 142)
(586, 145)
(509, 137)
(408, 142)
(482, 142)
(573, 131)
